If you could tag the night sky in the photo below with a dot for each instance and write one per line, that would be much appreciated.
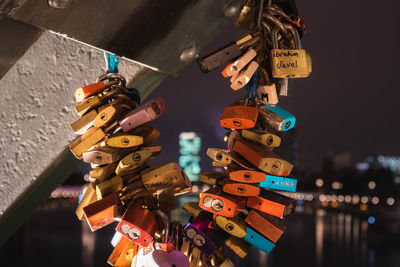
(349, 103)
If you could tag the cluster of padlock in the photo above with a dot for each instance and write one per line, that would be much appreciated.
(116, 140)
(245, 205)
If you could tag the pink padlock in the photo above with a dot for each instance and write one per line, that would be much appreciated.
(146, 113)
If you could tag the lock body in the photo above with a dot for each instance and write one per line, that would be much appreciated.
(272, 203)
(88, 198)
(86, 141)
(267, 225)
(138, 225)
(257, 240)
(211, 177)
(247, 176)
(146, 113)
(234, 226)
(239, 117)
(238, 246)
(263, 159)
(266, 94)
(265, 139)
(100, 213)
(279, 183)
(240, 189)
(124, 140)
(109, 186)
(103, 173)
(123, 253)
(277, 118)
(217, 202)
(83, 124)
(289, 63)
(219, 155)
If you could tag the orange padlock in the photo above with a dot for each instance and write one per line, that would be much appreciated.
(218, 202)
(100, 213)
(239, 117)
(240, 189)
(123, 253)
(272, 203)
(92, 89)
(246, 176)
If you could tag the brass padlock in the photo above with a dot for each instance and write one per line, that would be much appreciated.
(149, 134)
(235, 226)
(288, 63)
(132, 161)
(109, 186)
(83, 124)
(238, 245)
(219, 155)
(211, 177)
(110, 112)
(103, 173)
(169, 175)
(263, 138)
(124, 140)
(86, 141)
(88, 198)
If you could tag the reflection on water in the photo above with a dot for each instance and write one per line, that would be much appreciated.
(54, 237)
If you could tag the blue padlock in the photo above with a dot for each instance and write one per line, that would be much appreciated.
(258, 240)
(279, 183)
(276, 118)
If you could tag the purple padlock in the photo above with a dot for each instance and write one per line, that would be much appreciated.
(147, 112)
(204, 234)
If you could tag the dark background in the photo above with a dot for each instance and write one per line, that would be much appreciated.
(348, 104)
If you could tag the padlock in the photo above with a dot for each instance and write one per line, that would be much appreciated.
(276, 118)
(103, 173)
(155, 150)
(262, 158)
(124, 140)
(246, 176)
(254, 238)
(279, 183)
(110, 112)
(88, 198)
(239, 117)
(234, 226)
(202, 232)
(149, 134)
(225, 54)
(238, 246)
(192, 208)
(270, 227)
(88, 105)
(138, 225)
(239, 64)
(266, 94)
(132, 161)
(146, 113)
(266, 139)
(92, 89)
(83, 124)
(217, 202)
(219, 155)
(101, 212)
(240, 189)
(272, 203)
(194, 257)
(109, 186)
(91, 138)
(244, 76)
(123, 253)
(169, 175)
(211, 177)
(288, 63)
(105, 155)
